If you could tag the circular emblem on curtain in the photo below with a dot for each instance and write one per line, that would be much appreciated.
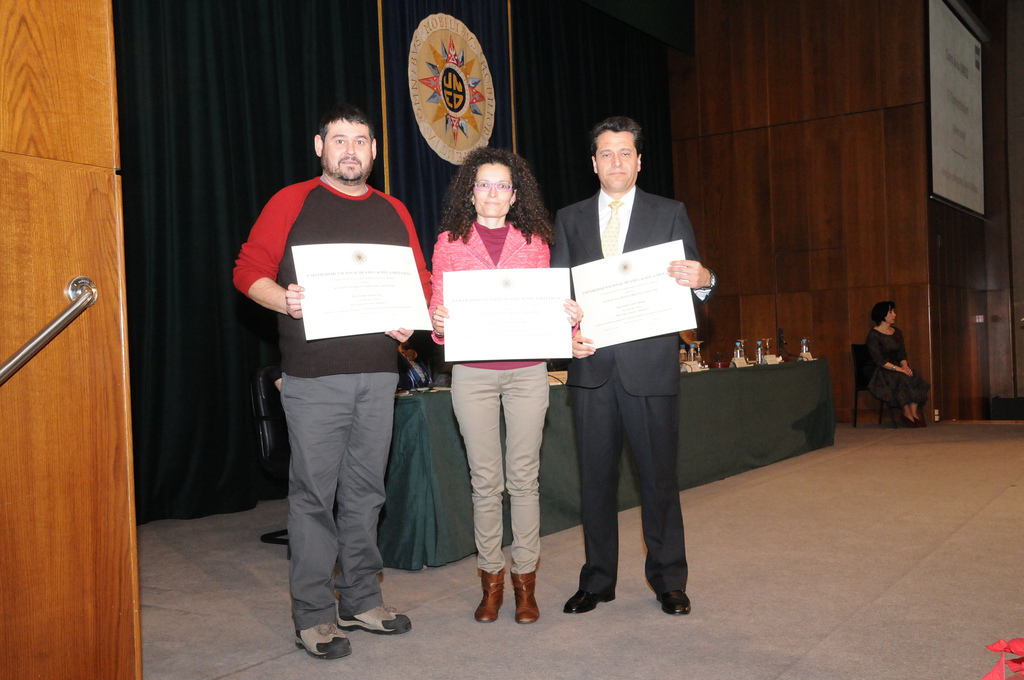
(450, 87)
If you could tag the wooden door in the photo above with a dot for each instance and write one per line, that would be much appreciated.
(69, 604)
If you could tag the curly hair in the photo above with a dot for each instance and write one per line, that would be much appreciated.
(527, 214)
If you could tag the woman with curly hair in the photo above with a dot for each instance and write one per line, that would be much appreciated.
(494, 218)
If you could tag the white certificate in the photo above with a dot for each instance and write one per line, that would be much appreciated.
(357, 288)
(632, 296)
(506, 314)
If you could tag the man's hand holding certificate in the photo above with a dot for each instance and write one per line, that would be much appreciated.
(358, 288)
(632, 296)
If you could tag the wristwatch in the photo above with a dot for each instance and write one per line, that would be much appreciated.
(713, 280)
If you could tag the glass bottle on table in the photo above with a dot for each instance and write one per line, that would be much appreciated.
(760, 352)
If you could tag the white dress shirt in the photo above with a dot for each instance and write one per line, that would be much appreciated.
(604, 211)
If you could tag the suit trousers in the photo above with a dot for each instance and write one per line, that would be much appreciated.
(339, 428)
(478, 395)
(652, 425)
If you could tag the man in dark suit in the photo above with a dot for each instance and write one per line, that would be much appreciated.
(633, 385)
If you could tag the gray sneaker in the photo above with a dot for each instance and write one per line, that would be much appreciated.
(324, 641)
(382, 620)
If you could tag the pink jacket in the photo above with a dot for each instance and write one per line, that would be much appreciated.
(458, 256)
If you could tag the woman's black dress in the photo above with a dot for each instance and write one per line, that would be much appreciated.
(893, 387)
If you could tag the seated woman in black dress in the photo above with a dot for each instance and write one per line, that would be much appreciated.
(893, 381)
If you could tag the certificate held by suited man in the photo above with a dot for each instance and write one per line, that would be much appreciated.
(506, 314)
(632, 296)
(359, 288)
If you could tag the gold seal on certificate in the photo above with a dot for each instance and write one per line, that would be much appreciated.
(358, 288)
(632, 296)
(501, 314)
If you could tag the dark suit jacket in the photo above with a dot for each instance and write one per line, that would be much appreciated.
(648, 367)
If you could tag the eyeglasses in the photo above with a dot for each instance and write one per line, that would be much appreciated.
(484, 185)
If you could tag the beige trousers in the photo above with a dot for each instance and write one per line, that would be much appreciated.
(478, 395)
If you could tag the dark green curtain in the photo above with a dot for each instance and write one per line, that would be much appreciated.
(218, 104)
(573, 67)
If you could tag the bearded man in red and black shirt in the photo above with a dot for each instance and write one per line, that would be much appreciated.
(337, 393)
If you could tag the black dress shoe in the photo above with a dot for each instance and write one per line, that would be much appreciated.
(674, 602)
(583, 602)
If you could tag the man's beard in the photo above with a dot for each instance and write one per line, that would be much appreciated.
(349, 176)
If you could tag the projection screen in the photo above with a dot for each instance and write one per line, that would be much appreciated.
(957, 151)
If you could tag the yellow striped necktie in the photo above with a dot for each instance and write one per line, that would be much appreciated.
(610, 235)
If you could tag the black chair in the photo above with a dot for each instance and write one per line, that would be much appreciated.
(863, 368)
(275, 452)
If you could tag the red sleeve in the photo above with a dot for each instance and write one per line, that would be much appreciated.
(261, 254)
(442, 263)
(414, 243)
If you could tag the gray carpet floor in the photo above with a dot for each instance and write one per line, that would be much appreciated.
(893, 554)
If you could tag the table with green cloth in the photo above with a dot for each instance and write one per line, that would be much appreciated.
(731, 420)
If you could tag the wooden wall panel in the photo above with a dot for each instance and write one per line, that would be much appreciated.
(958, 270)
(69, 599)
(976, 404)
(796, 318)
(757, 321)
(823, 58)
(730, 39)
(737, 217)
(68, 521)
(906, 189)
(958, 247)
(723, 328)
(806, 185)
(687, 175)
(811, 270)
(829, 314)
(863, 198)
(958, 381)
(999, 322)
(683, 88)
(48, 107)
(857, 71)
(847, 220)
(998, 266)
(904, 49)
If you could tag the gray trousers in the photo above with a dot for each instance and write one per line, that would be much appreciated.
(339, 428)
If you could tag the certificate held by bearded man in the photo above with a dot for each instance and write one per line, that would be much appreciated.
(358, 288)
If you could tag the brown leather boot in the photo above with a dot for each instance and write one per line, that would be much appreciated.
(526, 603)
(494, 592)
